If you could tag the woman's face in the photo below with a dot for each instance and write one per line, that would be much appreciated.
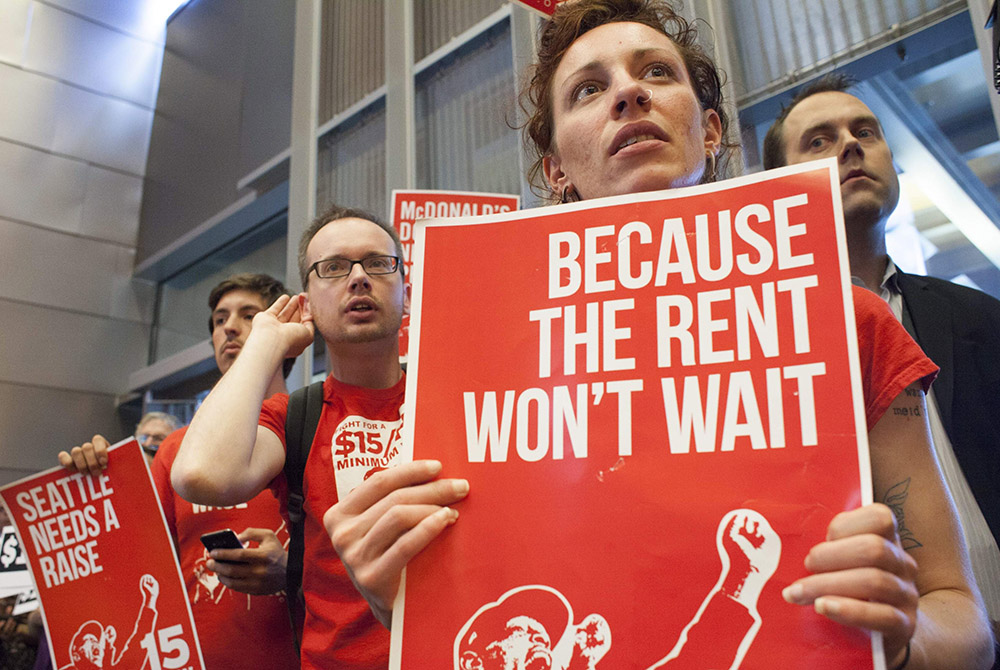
(626, 116)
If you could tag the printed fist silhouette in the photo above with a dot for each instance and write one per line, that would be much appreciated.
(592, 640)
(750, 549)
(150, 590)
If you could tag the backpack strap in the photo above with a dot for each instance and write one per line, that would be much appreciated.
(305, 405)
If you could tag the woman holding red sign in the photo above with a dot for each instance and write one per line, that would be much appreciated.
(618, 104)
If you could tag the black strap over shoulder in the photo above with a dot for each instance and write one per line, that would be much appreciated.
(305, 405)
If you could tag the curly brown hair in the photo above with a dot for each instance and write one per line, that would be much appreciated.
(574, 18)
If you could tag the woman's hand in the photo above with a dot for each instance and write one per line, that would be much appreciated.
(862, 577)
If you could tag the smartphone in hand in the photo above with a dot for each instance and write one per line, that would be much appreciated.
(221, 539)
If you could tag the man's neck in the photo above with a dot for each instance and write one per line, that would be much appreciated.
(867, 254)
(373, 365)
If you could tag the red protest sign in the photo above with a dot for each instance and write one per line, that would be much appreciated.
(656, 401)
(104, 566)
(410, 205)
(545, 7)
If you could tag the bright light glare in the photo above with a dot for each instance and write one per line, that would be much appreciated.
(906, 246)
(156, 12)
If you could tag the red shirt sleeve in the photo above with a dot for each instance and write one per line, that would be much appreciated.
(890, 359)
(272, 416)
(273, 413)
(160, 469)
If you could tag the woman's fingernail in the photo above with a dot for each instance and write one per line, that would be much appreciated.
(827, 607)
(793, 594)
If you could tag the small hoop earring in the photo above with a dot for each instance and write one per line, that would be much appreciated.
(709, 175)
(569, 194)
(642, 100)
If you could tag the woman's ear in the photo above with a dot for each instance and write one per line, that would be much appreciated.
(712, 124)
(557, 179)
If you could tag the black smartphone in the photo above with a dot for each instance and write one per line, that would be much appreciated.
(221, 539)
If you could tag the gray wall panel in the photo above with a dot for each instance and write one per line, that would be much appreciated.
(41, 188)
(33, 120)
(101, 130)
(105, 131)
(193, 163)
(47, 421)
(142, 19)
(14, 17)
(82, 52)
(67, 350)
(74, 322)
(111, 206)
(170, 341)
(64, 194)
(68, 272)
(203, 96)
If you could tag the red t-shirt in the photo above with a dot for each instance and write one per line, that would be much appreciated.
(235, 629)
(890, 359)
(358, 435)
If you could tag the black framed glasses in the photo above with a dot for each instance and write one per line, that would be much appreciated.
(331, 268)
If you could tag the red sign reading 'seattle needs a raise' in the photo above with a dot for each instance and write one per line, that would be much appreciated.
(103, 563)
(656, 401)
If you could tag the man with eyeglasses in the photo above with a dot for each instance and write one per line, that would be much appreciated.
(152, 429)
(355, 297)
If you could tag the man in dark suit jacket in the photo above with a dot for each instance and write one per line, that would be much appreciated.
(958, 327)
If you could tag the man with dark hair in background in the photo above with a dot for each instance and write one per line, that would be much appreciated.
(236, 594)
(957, 327)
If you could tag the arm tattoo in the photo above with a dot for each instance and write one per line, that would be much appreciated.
(915, 393)
(894, 499)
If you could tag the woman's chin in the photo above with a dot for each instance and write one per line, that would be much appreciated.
(644, 183)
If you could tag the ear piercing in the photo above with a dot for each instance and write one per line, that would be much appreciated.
(569, 194)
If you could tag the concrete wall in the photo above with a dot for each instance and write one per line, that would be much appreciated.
(78, 80)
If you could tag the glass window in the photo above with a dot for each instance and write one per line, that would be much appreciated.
(464, 106)
(351, 163)
(945, 99)
(182, 300)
